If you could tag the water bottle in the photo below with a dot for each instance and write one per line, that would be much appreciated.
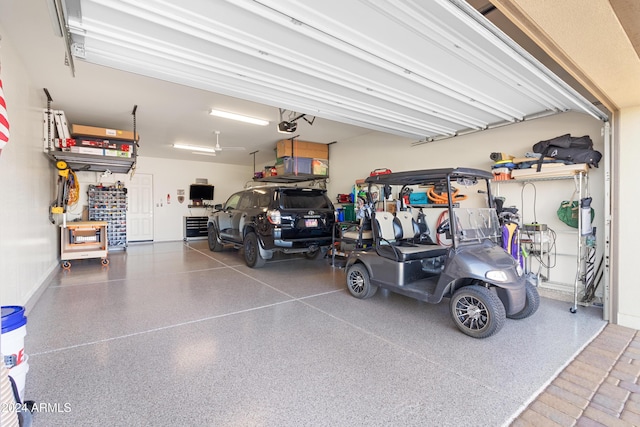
(585, 212)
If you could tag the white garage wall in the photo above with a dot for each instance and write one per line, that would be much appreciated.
(624, 261)
(28, 241)
(168, 177)
(355, 158)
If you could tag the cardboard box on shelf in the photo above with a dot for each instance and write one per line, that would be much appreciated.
(295, 148)
(64, 143)
(88, 150)
(90, 142)
(320, 167)
(82, 130)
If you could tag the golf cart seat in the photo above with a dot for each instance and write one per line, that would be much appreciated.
(408, 226)
(411, 230)
(390, 244)
(361, 233)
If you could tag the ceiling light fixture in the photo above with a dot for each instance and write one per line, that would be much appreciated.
(195, 148)
(204, 154)
(239, 117)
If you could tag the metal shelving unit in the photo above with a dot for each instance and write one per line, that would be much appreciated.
(581, 180)
(110, 204)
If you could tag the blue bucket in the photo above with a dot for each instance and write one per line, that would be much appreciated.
(12, 318)
(14, 330)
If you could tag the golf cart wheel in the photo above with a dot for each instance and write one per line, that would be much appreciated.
(212, 239)
(105, 261)
(66, 265)
(477, 311)
(358, 282)
(252, 255)
(531, 305)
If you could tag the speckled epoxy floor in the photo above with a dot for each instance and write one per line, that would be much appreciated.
(171, 334)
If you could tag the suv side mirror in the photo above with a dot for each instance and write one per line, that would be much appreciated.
(217, 207)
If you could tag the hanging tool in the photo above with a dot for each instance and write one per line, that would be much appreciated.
(68, 189)
(438, 195)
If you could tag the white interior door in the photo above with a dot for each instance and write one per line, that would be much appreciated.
(140, 213)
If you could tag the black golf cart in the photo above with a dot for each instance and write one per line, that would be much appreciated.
(484, 283)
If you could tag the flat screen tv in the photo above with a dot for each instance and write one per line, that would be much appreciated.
(201, 192)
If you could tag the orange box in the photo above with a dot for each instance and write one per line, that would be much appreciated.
(82, 130)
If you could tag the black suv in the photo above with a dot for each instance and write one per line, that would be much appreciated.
(263, 220)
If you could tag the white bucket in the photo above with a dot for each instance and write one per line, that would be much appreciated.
(19, 375)
(14, 329)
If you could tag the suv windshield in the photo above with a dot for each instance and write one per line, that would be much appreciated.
(304, 199)
(473, 224)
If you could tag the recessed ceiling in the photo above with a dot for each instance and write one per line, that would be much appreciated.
(420, 70)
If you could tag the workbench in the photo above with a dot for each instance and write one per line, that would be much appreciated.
(83, 239)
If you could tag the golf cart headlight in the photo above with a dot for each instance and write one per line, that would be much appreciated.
(496, 276)
(519, 270)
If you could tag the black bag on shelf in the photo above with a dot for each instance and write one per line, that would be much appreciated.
(564, 141)
(576, 155)
(569, 148)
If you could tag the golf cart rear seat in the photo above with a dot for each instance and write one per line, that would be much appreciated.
(391, 244)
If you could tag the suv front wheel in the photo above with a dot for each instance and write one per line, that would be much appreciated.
(212, 236)
(252, 255)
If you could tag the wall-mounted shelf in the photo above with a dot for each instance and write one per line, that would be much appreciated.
(93, 163)
(87, 150)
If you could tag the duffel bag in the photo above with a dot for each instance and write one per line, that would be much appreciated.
(564, 141)
(576, 155)
(569, 148)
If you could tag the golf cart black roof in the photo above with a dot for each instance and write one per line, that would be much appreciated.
(428, 176)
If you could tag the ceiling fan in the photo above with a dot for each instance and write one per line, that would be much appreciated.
(219, 148)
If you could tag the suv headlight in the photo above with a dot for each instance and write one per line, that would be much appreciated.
(273, 215)
(496, 276)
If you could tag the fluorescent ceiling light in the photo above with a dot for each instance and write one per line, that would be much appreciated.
(239, 117)
(195, 148)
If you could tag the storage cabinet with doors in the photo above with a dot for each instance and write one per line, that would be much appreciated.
(195, 227)
(110, 204)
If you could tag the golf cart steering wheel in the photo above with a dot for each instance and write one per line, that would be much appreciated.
(444, 227)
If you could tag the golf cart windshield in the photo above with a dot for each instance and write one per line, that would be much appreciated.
(475, 224)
